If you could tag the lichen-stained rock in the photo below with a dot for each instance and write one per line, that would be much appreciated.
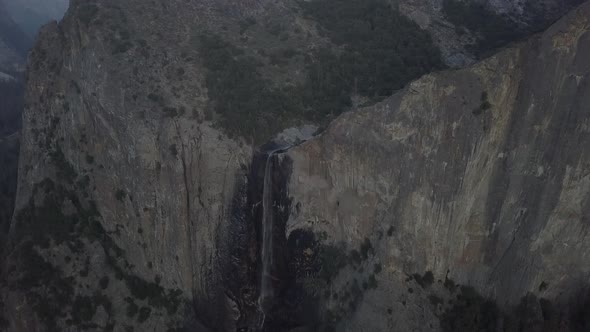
(478, 175)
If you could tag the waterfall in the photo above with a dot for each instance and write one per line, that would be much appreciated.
(266, 291)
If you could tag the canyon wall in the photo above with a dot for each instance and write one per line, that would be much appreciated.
(478, 175)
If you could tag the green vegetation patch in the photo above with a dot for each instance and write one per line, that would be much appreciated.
(43, 224)
(246, 103)
(382, 50)
(379, 51)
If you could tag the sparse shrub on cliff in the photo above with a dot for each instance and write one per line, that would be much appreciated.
(355, 257)
(333, 259)
(83, 309)
(120, 195)
(87, 12)
(170, 112)
(435, 300)
(449, 284)
(155, 294)
(132, 307)
(144, 314)
(121, 46)
(173, 150)
(367, 249)
(76, 87)
(390, 231)
(65, 170)
(377, 268)
(372, 282)
(484, 105)
(155, 97)
(424, 280)
(543, 286)
(104, 282)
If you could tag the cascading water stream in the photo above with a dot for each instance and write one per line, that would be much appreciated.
(266, 290)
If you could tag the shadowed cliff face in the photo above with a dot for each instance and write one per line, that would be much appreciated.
(479, 175)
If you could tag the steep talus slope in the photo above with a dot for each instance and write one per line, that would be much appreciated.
(477, 176)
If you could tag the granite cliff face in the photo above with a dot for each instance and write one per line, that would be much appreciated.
(143, 174)
(147, 192)
(478, 175)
